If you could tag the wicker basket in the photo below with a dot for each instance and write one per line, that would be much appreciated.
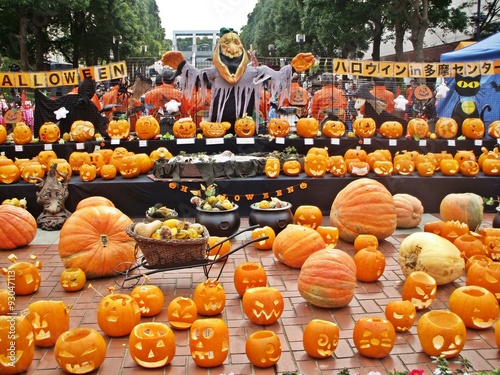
(166, 253)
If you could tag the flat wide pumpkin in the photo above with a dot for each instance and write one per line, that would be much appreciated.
(364, 206)
(18, 227)
(94, 239)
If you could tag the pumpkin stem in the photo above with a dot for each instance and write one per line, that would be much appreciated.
(411, 261)
(104, 240)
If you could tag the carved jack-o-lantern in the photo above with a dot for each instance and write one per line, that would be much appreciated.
(402, 315)
(441, 332)
(263, 305)
(403, 164)
(129, 167)
(118, 314)
(45, 157)
(491, 241)
(418, 127)
(244, 127)
(307, 127)
(315, 165)
(214, 129)
(272, 167)
(76, 160)
(426, 168)
(209, 342)
(160, 152)
(32, 169)
(3, 134)
(338, 167)
(473, 128)
(358, 168)
(263, 348)
(118, 129)
(493, 129)
(329, 234)
(49, 320)
(308, 216)
(333, 129)
(96, 159)
(82, 131)
(9, 173)
(181, 313)
(469, 168)
(63, 167)
(184, 128)
(144, 162)
(49, 132)
(118, 154)
(355, 154)
(372, 157)
(107, 153)
(464, 155)
(420, 289)
(475, 305)
(149, 298)
(209, 297)
(364, 127)
(320, 338)
(16, 344)
(152, 344)
(108, 172)
(88, 172)
(249, 275)
(22, 133)
(391, 129)
(278, 127)
(446, 128)
(449, 167)
(24, 276)
(80, 350)
(374, 337)
(486, 275)
(147, 127)
(292, 167)
(73, 279)
(383, 167)
(267, 235)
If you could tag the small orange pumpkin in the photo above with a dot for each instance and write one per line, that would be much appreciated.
(364, 127)
(22, 133)
(307, 127)
(82, 131)
(184, 128)
(49, 132)
(214, 129)
(473, 128)
(446, 128)
(418, 127)
(334, 129)
(292, 167)
(391, 129)
(245, 127)
(147, 127)
(278, 127)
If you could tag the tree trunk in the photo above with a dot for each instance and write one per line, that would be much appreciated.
(399, 42)
(23, 44)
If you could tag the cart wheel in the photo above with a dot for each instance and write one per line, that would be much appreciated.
(124, 276)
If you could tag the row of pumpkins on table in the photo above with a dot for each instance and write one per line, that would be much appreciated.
(107, 164)
(327, 277)
(147, 127)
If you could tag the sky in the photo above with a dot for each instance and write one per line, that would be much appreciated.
(180, 15)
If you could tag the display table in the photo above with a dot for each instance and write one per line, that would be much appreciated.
(135, 196)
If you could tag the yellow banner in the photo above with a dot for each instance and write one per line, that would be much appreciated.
(413, 69)
(71, 77)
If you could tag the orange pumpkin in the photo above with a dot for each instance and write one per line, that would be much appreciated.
(108, 172)
(370, 264)
(3, 134)
(9, 173)
(82, 131)
(402, 315)
(76, 160)
(278, 127)
(150, 299)
(94, 239)
(292, 167)
(391, 129)
(446, 128)
(265, 231)
(309, 216)
(147, 127)
(72, 279)
(21, 344)
(49, 132)
(374, 337)
(418, 127)
(364, 206)
(327, 279)
(473, 128)
(409, 210)
(363, 241)
(272, 167)
(118, 129)
(295, 243)
(334, 129)
(493, 129)
(249, 275)
(364, 127)
(214, 129)
(184, 128)
(94, 200)
(307, 127)
(320, 338)
(244, 127)
(18, 227)
(449, 167)
(329, 234)
(22, 133)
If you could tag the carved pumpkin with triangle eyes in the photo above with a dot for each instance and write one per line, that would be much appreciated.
(364, 127)
(333, 129)
(184, 128)
(391, 129)
(152, 344)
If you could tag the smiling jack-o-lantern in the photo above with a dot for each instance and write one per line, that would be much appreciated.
(333, 129)
(209, 297)
(49, 132)
(244, 127)
(320, 338)
(364, 127)
(278, 127)
(88, 172)
(22, 133)
(149, 298)
(129, 167)
(73, 279)
(486, 275)
(24, 276)
(469, 168)
(80, 350)
(184, 128)
(118, 129)
(108, 172)
(473, 128)
(118, 314)
(383, 167)
(449, 167)
(402, 315)
(441, 332)
(96, 159)
(315, 164)
(181, 313)
(308, 216)
(76, 160)
(391, 129)
(49, 320)
(31, 170)
(475, 305)
(420, 289)
(403, 164)
(263, 348)
(9, 173)
(209, 342)
(263, 305)
(374, 337)
(45, 158)
(272, 167)
(338, 167)
(249, 275)
(152, 344)
(292, 167)
(214, 129)
(16, 344)
(147, 127)
(82, 131)
(446, 128)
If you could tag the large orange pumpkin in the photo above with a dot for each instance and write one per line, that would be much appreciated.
(94, 239)
(364, 206)
(328, 278)
(409, 210)
(94, 200)
(295, 243)
(18, 227)
(464, 207)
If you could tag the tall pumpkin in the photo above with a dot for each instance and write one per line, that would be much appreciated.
(328, 278)
(94, 239)
(464, 207)
(294, 244)
(364, 206)
(18, 227)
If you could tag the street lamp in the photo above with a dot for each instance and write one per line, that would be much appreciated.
(271, 48)
(300, 38)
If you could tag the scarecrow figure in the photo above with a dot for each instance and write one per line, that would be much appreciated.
(237, 85)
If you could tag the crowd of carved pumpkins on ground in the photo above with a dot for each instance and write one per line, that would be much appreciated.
(94, 244)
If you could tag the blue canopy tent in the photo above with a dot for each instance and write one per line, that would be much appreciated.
(489, 92)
